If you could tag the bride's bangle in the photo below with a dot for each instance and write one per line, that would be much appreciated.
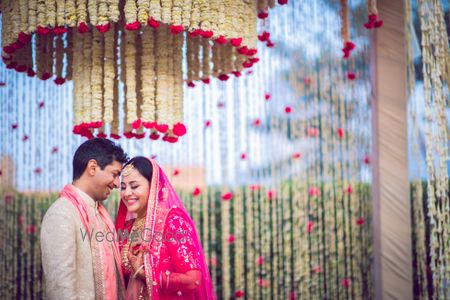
(137, 271)
(168, 279)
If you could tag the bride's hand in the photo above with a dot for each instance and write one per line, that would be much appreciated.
(136, 258)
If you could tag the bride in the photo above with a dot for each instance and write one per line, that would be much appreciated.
(162, 257)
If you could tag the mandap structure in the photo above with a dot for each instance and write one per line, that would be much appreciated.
(126, 58)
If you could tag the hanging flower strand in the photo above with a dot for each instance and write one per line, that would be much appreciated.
(372, 13)
(349, 46)
(148, 77)
(229, 27)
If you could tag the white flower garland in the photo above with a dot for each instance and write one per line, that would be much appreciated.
(148, 75)
(86, 78)
(51, 13)
(161, 69)
(6, 23)
(186, 13)
(23, 5)
(138, 77)
(60, 13)
(169, 103)
(16, 20)
(97, 76)
(155, 10)
(115, 122)
(108, 77)
(195, 16)
(166, 11)
(164, 95)
(130, 74)
(143, 9)
(221, 18)
(71, 13)
(130, 11)
(32, 9)
(177, 12)
(113, 11)
(103, 16)
(78, 70)
(213, 17)
(81, 11)
(205, 15)
(93, 12)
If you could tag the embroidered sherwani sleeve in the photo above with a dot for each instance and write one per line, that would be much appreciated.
(58, 245)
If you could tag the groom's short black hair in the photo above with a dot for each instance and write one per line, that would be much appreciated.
(103, 151)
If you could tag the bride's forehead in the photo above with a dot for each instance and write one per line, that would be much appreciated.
(133, 175)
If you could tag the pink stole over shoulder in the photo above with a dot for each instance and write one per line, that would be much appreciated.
(108, 281)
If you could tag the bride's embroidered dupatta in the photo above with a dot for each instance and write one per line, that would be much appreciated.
(164, 207)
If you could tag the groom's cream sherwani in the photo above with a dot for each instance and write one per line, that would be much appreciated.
(66, 256)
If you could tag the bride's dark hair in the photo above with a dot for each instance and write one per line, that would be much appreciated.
(143, 165)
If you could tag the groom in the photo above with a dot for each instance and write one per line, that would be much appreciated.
(76, 267)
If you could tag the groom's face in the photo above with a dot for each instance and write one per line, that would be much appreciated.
(105, 180)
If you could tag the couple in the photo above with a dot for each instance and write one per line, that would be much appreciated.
(155, 252)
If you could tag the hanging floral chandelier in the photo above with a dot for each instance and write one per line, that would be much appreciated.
(135, 46)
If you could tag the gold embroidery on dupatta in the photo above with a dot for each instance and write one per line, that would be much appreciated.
(97, 263)
(151, 208)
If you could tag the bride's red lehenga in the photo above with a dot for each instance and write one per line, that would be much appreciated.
(174, 263)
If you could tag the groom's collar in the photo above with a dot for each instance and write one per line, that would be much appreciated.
(88, 199)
